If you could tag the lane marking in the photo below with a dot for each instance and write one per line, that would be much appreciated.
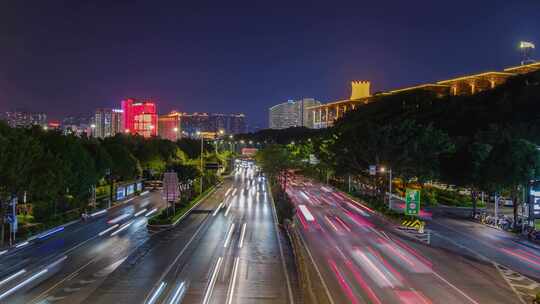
(242, 234)
(233, 281)
(23, 283)
(212, 282)
(11, 277)
(228, 209)
(229, 235)
(454, 287)
(140, 212)
(178, 293)
(217, 209)
(124, 227)
(108, 229)
(151, 212)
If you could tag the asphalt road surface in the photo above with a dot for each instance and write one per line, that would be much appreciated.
(225, 251)
(362, 258)
(67, 265)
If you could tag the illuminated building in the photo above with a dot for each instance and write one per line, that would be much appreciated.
(107, 122)
(213, 123)
(292, 113)
(324, 115)
(140, 117)
(24, 119)
(169, 126)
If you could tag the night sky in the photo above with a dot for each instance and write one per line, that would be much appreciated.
(69, 57)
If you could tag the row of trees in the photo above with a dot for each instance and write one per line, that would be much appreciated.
(56, 173)
(485, 142)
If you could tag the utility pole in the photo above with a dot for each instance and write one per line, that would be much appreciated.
(390, 190)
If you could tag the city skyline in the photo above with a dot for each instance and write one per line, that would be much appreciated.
(175, 59)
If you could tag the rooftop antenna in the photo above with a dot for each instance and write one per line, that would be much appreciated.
(526, 48)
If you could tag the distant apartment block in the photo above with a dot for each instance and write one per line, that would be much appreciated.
(292, 113)
(107, 122)
(25, 119)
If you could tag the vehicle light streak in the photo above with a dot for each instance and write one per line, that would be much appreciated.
(157, 293)
(307, 214)
(122, 228)
(108, 229)
(383, 279)
(217, 209)
(22, 244)
(119, 218)
(100, 212)
(144, 193)
(13, 276)
(178, 293)
(343, 283)
(140, 212)
(233, 281)
(522, 255)
(60, 260)
(3, 252)
(242, 234)
(330, 223)
(151, 212)
(414, 253)
(23, 283)
(365, 286)
(212, 282)
(229, 235)
(343, 224)
(386, 264)
(411, 297)
(51, 232)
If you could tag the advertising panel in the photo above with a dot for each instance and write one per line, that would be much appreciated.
(534, 199)
(139, 186)
(130, 189)
(120, 193)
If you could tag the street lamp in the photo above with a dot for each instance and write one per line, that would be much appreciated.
(383, 170)
(202, 170)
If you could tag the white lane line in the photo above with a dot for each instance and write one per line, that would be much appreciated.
(3, 252)
(228, 209)
(140, 212)
(98, 212)
(233, 281)
(124, 227)
(455, 288)
(157, 293)
(178, 293)
(217, 209)
(228, 191)
(11, 277)
(242, 234)
(23, 283)
(212, 282)
(108, 229)
(229, 235)
(151, 212)
(234, 192)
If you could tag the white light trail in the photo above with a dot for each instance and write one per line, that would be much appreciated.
(212, 282)
(11, 277)
(144, 193)
(3, 252)
(21, 244)
(178, 293)
(233, 281)
(229, 235)
(307, 214)
(23, 283)
(242, 234)
(108, 229)
(157, 293)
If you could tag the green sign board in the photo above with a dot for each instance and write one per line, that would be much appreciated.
(412, 202)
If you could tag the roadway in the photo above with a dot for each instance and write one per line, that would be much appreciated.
(362, 258)
(226, 251)
(69, 263)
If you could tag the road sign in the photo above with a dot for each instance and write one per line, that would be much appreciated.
(412, 202)
(416, 224)
(372, 170)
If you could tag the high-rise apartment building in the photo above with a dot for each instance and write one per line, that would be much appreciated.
(140, 117)
(24, 119)
(292, 113)
(169, 126)
(107, 122)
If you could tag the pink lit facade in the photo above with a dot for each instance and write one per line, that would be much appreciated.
(140, 117)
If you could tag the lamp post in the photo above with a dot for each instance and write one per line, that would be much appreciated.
(202, 169)
(383, 170)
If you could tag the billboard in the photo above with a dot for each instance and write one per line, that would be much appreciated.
(249, 151)
(120, 193)
(130, 189)
(534, 200)
(139, 186)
